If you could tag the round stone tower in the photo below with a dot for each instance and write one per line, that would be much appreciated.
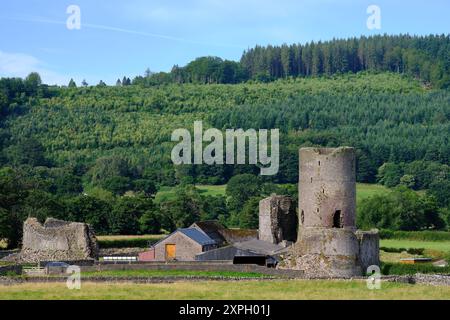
(327, 245)
(327, 188)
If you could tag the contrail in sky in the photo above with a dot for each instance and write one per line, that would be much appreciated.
(122, 30)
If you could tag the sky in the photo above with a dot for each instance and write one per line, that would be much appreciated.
(124, 38)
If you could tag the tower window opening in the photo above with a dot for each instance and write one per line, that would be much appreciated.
(337, 220)
(319, 163)
(302, 217)
(311, 180)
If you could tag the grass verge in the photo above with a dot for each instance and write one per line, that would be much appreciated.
(171, 273)
(254, 290)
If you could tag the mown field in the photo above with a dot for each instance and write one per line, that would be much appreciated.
(442, 246)
(171, 273)
(252, 290)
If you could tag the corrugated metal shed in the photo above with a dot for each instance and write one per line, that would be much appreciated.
(223, 254)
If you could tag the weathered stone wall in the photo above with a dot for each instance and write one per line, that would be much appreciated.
(186, 248)
(369, 248)
(325, 253)
(277, 220)
(57, 240)
(327, 184)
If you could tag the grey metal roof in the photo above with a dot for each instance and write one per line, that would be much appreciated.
(212, 229)
(259, 246)
(197, 236)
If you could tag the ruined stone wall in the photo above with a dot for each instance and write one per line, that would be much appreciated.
(57, 241)
(369, 248)
(327, 185)
(326, 253)
(277, 220)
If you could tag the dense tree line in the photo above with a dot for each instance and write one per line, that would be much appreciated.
(402, 209)
(424, 57)
(427, 58)
(204, 70)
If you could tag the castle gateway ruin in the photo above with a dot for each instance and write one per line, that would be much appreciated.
(328, 243)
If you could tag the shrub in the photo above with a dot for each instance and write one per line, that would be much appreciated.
(416, 251)
(410, 269)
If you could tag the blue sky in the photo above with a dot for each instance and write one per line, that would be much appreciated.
(125, 37)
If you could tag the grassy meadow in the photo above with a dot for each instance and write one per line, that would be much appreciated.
(441, 246)
(171, 273)
(363, 191)
(248, 290)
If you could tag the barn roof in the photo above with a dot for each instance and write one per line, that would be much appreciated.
(194, 234)
(213, 229)
(197, 236)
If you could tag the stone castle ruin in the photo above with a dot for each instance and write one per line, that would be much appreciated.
(56, 240)
(321, 239)
(328, 244)
(277, 220)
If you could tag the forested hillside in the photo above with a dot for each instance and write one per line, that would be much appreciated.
(99, 154)
(426, 58)
(388, 117)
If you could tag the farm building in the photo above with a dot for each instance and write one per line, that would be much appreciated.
(222, 235)
(212, 229)
(181, 245)
(210, 241)
(252, 251)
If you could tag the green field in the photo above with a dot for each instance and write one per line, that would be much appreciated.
(363, 191)
(253, 290)
(442, 246)
(171, 273)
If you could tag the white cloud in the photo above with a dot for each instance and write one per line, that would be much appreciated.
(20, 65)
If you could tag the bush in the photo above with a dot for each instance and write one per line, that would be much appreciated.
(410, 269)
(401, 209)
(416, 251)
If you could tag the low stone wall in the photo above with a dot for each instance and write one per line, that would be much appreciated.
(139, 280)
(427, 279)
(5, 253)
(10, 269)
